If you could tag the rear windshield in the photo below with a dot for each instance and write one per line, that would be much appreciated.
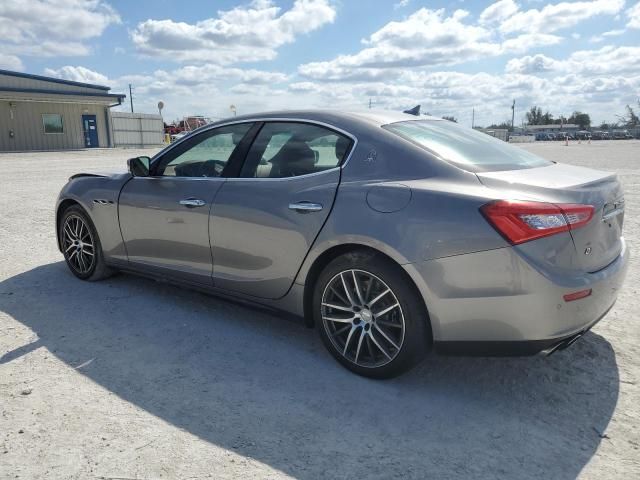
(467, 148)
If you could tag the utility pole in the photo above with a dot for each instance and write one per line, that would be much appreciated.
(473, 117)
(513, 113)
(369, 104)
(131, 98)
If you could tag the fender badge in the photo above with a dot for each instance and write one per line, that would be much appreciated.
(587, 250)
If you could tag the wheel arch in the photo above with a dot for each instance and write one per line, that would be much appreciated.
(62, 207)
(322, 260)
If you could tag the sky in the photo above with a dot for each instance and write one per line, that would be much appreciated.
(452, 57)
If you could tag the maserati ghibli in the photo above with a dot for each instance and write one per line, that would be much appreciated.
(391, 234)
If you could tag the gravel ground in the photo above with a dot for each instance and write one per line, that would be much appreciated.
(133, 379)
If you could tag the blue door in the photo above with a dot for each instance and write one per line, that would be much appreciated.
(90, 129)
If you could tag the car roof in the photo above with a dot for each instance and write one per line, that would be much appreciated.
(337, 117)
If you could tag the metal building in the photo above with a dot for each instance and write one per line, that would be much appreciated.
(43, 113)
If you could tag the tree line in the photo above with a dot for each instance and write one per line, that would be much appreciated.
(535, 117)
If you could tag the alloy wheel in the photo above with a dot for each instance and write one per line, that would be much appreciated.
(363, 318)
(78, 244)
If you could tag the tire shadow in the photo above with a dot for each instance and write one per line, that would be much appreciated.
(247, 380)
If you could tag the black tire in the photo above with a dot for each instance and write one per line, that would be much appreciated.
(367, 268)
(97, 269)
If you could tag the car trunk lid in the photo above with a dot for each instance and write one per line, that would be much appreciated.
(597, 243)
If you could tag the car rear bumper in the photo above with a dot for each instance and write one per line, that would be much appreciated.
(496, 303)
(515, 348)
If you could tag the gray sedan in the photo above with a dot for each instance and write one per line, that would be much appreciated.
(391, 234)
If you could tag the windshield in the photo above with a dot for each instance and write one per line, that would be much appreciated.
(467, 148)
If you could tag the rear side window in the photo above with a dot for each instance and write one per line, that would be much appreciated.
(467, 148)
(287, 149)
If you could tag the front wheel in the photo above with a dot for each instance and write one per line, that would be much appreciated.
(370, 316)
(81, 245)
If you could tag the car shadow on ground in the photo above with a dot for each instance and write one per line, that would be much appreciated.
(264, 387)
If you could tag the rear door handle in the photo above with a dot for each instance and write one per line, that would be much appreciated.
(192, 202)
(303, 207)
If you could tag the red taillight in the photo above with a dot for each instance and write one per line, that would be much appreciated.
(520, 221)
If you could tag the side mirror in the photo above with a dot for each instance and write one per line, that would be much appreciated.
(139, 166)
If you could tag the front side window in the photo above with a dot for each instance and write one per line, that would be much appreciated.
(204, 155)
(287, 149)
(52, 123)
(467, 148)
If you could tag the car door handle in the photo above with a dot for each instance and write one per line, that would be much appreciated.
(303, 207)
(192, 202)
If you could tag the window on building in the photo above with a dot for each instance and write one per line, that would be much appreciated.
(52, 123)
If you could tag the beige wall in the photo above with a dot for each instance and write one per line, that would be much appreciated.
(25, 120)
(138, 130)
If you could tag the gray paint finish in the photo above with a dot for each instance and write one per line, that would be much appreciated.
(476, 286)
(258, 242)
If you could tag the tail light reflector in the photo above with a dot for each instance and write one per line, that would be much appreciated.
(570, 297)
(520, 221)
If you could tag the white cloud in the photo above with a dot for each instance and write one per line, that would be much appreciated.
(499, 11)
(554, 17)
(401, 4)
(427, 37)
(613, 33)
(585, 63)
(52, 27)
(77, 74)
(190, 89)
(531, 64)
(10, 62)
(206, 74)
(619, 61)
(242, 34)
(526, 41)
(634, 16)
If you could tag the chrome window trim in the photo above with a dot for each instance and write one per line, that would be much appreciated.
(254, 179)
(267, 119)
(159, 177)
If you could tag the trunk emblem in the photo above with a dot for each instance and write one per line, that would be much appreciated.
(612, 209)
(587, 250)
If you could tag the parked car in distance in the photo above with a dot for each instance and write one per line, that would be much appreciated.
(583, 135)
(543, 136)
(621, 135)
(179, 136)
(391, 234)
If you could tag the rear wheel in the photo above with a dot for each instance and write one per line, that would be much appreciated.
(370, 316)
(81, 245)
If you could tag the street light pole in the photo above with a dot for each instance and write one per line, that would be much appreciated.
(513, 113)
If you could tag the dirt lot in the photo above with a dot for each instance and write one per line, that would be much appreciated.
(132, 379)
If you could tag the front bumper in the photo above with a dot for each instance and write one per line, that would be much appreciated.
(496, 303)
